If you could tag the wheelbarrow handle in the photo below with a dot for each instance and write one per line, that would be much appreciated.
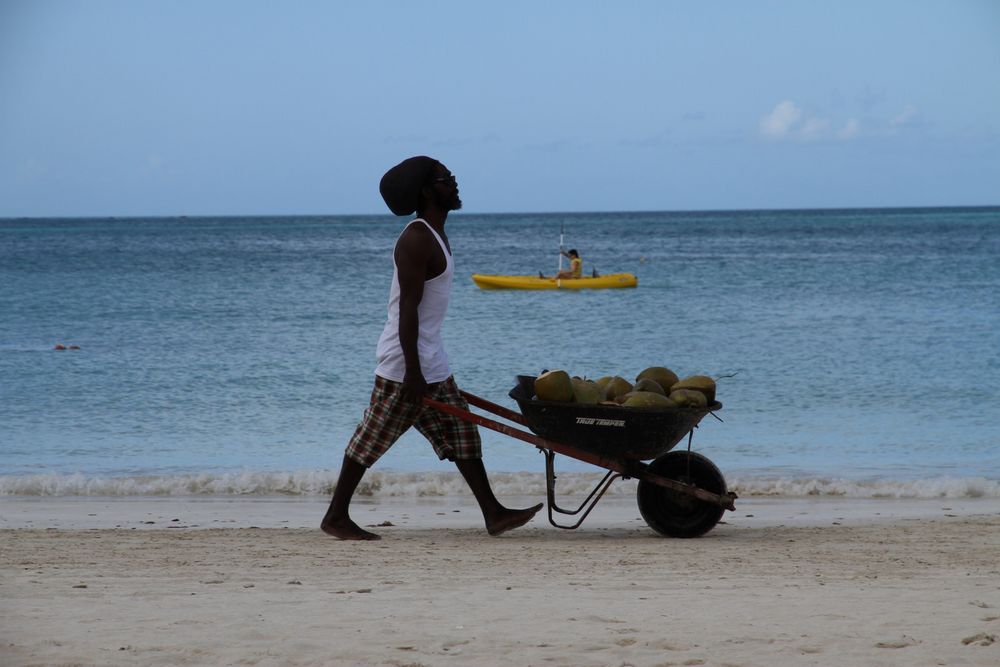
(537, 441)
(498, 410)
(466, 415)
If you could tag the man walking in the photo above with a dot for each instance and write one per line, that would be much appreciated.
(412, 362)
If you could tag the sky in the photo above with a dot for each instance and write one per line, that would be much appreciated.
(160, 108)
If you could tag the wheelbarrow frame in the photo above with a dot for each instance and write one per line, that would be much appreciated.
(618, 468)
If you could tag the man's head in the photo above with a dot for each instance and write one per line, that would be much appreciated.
(573, 253)
(419, 183)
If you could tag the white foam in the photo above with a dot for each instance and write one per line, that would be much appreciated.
(938, 487)
(387, 484)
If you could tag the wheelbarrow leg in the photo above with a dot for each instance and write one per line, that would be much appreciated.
(588, 504)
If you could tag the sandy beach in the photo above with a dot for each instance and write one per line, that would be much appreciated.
(784, 581)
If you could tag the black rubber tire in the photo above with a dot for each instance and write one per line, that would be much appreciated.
(675, 514)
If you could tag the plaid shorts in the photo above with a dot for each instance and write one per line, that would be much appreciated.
(388, 416)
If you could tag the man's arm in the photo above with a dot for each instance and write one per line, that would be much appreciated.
(412, 254)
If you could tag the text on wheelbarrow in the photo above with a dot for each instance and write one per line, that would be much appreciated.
(594, 421)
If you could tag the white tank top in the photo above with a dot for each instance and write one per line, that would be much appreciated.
(431, 311)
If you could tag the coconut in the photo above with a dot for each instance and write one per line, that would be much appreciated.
(616, 387)
(664, 377)
(702, 383)
(586, 392)
(688, 398)
(602, 382)
(554, 386)
(647, 384)
(648, 399)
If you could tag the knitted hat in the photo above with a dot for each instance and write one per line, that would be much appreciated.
(400, 187)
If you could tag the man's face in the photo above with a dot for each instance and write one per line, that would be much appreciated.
(445, 188)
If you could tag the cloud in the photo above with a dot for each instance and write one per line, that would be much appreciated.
(905, 117)
(850, 129)
(813, 129)
(780, 123)
(789, 122)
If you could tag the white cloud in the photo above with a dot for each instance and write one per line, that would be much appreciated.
(850, 130)
(780, 123)
(904, 117)
(790, 122)
(813, 129)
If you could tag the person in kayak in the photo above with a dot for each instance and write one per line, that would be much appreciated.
(412, 362)
(575, 269)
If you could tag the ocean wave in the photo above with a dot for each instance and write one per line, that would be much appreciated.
(937, 487)
(378, 484)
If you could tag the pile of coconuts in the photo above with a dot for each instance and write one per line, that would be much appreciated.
(655, 387)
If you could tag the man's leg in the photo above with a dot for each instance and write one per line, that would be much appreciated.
(337, 522)
(498, 518)
(386, 418)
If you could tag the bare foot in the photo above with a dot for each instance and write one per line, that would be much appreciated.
(345, 529)
(510, 519)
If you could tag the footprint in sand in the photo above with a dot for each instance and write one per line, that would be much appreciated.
(982, 639)
(664, 645)
(898, 643)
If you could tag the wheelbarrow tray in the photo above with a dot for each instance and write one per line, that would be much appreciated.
(614, 432)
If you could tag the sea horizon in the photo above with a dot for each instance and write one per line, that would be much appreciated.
(464, 213)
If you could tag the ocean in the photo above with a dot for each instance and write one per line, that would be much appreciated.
(857, 351)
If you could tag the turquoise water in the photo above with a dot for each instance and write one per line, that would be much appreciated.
(856, 344)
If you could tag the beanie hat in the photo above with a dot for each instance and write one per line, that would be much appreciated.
(400, 186)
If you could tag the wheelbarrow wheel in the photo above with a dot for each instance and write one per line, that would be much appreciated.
(676, 514)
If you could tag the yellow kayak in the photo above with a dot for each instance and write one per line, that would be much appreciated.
(534, 282)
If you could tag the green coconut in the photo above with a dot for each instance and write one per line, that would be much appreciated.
(586, 392)
(554, 386)
(602, 382)
(648, 384)
(688, 398)
(664, 377)
(702, 383)
(648, 399)
(616, 388)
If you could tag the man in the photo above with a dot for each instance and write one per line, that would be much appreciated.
(412, 362)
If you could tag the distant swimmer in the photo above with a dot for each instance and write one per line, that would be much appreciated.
(60, 346)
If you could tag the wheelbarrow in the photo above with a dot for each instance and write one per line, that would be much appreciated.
(680, 493)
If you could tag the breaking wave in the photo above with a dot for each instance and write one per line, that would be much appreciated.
(433, 484)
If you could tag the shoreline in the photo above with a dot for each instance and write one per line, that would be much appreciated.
(388, 483)
(783, 581)
(451, 512)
